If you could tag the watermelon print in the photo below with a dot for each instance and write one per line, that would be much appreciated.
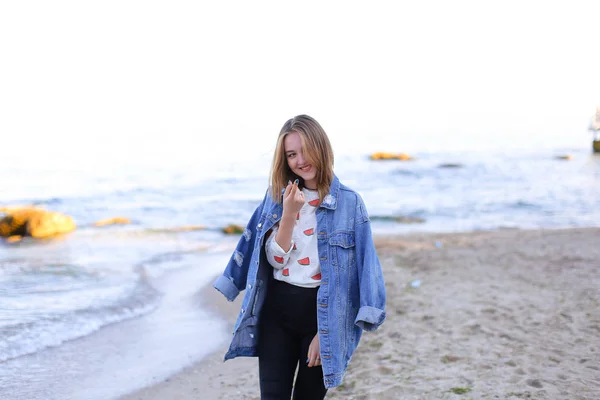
(314, 202)
(304, 261)
(299, 265)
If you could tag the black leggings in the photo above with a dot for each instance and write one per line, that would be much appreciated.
(288, 325)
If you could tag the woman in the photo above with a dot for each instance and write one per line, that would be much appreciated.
(308, 262)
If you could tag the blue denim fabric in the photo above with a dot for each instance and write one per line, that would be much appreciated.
(351, 297)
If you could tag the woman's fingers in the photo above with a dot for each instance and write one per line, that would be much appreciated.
(313, 356)
(293, 197)
(314, 360)
(295, 192)
(288, 190)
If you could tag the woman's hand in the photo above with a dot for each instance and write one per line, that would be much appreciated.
(293, 199)
(314, 352)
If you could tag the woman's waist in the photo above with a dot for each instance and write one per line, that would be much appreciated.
(289, 288)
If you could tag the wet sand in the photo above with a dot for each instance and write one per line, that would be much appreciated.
(506, 314)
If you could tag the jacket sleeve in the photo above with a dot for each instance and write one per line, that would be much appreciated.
(371, 313)
(233, 280)
(275, 254)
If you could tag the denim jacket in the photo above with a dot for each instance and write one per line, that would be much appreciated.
(351, 297)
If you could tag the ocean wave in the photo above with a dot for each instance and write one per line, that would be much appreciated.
(54, 329)
(525, 205)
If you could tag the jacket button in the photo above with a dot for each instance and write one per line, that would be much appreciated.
(249, 286)
(274, 215)
(243, 310)
(259, 225)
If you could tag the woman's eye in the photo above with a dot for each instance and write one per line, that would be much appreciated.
(290, 155)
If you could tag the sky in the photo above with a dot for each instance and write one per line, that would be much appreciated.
(199, 79)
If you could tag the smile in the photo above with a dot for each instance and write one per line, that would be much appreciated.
(305, 168)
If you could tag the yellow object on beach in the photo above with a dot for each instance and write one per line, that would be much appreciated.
(14, 238)
(36, 223)
(187, 228)
(390, 156)
(12, 209)
(113, 221)
(233, 228)
(564, 157)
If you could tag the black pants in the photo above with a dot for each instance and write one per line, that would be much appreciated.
(288, 325)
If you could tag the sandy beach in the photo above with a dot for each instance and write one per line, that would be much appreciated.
(506, 314)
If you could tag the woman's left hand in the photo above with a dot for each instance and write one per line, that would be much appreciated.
(314, 352)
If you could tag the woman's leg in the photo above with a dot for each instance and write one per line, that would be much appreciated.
(288, 325)
(278, 356)
(277, 349)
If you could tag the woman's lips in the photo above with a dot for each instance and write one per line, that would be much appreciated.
(306, 168)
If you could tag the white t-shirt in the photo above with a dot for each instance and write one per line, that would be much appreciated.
(300, 265)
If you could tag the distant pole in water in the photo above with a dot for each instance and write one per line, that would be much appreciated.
(595, 129)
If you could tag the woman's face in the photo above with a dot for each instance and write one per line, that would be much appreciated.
(296, 161)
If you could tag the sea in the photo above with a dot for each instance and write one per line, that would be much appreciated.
(103, 311)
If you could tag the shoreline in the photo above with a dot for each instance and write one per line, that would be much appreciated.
(510, 313)
(209, 372)
(128, 355)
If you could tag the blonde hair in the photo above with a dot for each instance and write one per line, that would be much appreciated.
(315, 146)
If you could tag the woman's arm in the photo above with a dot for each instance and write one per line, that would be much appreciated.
(371, 313)
(293, 200)
(276, 255)
(234, 277)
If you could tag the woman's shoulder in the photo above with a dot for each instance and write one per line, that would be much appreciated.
(268, 202)
(348, 193)
(350, 199)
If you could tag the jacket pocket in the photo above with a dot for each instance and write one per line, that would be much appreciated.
(342, 249)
